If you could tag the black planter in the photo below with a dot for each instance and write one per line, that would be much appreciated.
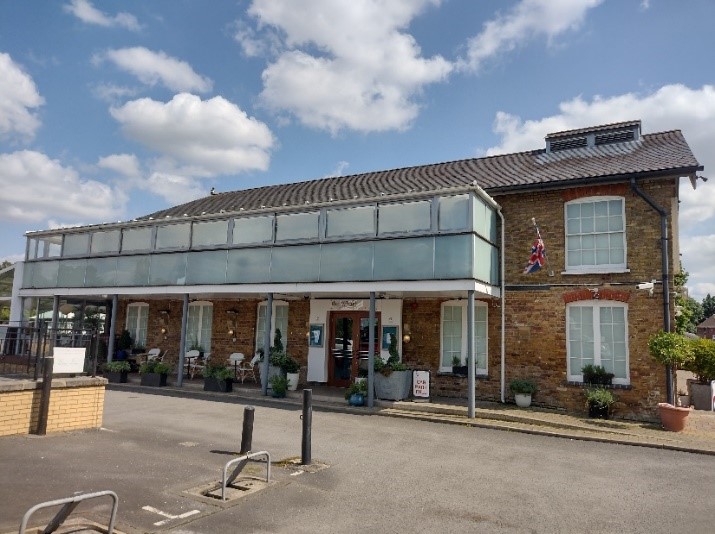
(154, 379)
(214, 384)
(459, 370)
(116, 377)
(598, 412)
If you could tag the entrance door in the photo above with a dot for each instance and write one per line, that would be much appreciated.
(349, 345)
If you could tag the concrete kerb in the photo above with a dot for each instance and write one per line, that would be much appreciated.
(533, 421)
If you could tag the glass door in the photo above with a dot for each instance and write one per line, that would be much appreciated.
(349, 346)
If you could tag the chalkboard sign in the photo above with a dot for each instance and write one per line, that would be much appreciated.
(420, 385)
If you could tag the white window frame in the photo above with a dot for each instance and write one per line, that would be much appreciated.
(575, 375)
(603, 268)
(274, 315)
(463, 304)
(141, 323)
(199, 337)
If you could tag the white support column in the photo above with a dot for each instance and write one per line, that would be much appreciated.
(15, 299)
(182, 343)
(470, 352)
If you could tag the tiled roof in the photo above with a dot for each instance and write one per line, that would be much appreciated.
(708, 323)
(664, 153)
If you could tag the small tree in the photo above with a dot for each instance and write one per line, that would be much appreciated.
(703, 362)
(670, 349)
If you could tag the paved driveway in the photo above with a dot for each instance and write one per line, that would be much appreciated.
(383, 475)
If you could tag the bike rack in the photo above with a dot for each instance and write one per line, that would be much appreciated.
(70, 503)
(242, 461)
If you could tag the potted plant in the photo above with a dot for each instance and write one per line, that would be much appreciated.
(116, 372)
(599, 401)
(596, 375)
(276, 356)
(124, 345)
(154, 373)
(291, 368)
(218, 378)
(279, 386)
(457, 367)
(393, 379)
(683, 398)
(703, 366)
(523, 389)
(355, 393)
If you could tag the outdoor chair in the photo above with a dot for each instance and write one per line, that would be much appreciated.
(195, 363)
(248, 369)
(236, 359)
(154, 354)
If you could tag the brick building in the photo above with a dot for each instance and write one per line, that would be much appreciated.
(424, 242)
(706, 329)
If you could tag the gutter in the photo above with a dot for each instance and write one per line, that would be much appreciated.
(666, 274)
(502, 375)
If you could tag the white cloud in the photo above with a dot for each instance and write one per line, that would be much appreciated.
(87, 13)
(174, 188)
(113, 94)
(527, 20)
(211, 136)
(157, 67)
(36, 187)
(18, 98)
(125, 164)
(345, 64)
(339, 169)
(670, 107)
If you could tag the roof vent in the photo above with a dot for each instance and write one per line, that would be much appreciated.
(608, 134)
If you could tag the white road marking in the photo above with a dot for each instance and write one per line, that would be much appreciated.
(169, 517)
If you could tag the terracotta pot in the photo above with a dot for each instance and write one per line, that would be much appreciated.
(673, 418)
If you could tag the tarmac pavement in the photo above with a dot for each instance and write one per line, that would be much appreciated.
(159, 446)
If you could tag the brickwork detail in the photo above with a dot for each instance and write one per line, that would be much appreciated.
(616, 190)
(71, 408)
(596, 294)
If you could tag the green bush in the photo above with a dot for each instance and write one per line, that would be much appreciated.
(279, 385)
(599, 397)
(522, 386)
(703, 362)
(289, 364)
(597, 375)
(393, 363)
(154, 366)
(670, 349)
(117, 367)
(219, 372)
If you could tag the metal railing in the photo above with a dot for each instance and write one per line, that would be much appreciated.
(70, 503)
(242, 461)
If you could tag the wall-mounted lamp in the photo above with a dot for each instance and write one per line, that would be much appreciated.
(231, 332)
(407, 334)
(231, 312)
(164, 312)
(163, 330)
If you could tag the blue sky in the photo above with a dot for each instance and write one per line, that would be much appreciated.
(112, 110)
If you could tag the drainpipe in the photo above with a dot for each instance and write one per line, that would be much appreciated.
(502, 376)
(666, 274)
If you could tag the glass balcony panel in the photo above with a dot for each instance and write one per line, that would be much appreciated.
(210, 233)
(297, 226)
(454, 212)
(484, 264)
(248, 266)
(404, 217)
(453, 257)
(71, 273)
(253, 230)
(101, 272)
(206, 267)
(351, 221)
(76, 245)
(404, 259)
(167, 270)
(45, 274)
(346, 262)
(173, 236)
(103, 242)
(295, 264)
(133, 271)
(136, 239)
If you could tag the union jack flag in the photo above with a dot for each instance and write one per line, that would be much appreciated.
(538, 257)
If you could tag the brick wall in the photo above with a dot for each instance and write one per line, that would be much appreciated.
(75, 404)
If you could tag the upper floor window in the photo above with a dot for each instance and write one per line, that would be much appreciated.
(595, 234)
(454, 335)
(597, 335)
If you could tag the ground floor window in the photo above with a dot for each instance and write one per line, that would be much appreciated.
(137, 319)
(198, 326)
(279, 320)
(454, 335)
(597, 334)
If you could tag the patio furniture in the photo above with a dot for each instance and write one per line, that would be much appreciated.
(235, 359)
(248, 369)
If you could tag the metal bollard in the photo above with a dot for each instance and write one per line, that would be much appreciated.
(247, 434)
(45, 397)
(307, 418)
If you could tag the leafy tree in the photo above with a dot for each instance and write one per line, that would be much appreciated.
(690, 312)
(708, 306)
(4, 264)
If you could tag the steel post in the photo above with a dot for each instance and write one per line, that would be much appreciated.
(45, 397)
(307, 417)
(247, 433)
